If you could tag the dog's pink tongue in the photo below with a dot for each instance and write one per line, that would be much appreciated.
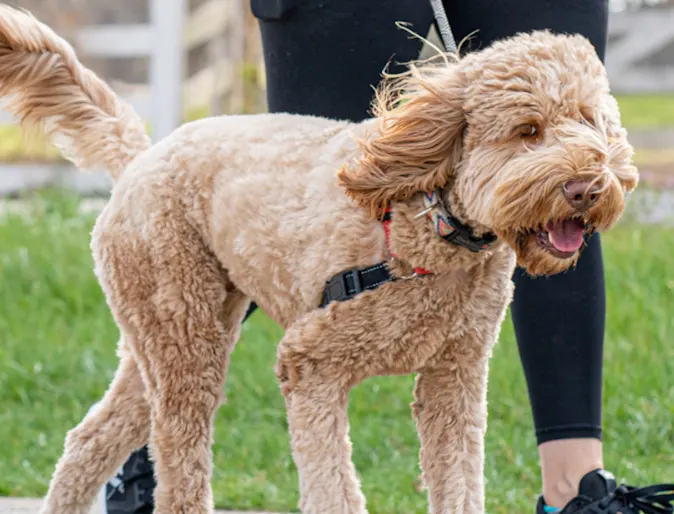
(566, 235)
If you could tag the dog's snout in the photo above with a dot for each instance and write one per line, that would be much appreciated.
(581, 194)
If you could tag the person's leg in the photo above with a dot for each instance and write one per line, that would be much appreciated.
(561, 347)
(324, 58)
(310, 72)
(314, 68)
(559, 321)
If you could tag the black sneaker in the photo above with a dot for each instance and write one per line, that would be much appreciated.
(598, 494)
(131, 491)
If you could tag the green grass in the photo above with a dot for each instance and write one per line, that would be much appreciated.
(647, 111)
(57, 343)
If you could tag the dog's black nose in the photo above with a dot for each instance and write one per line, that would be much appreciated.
(581, 194)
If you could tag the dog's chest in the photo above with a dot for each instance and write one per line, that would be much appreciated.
(420, 319)
(472, 301)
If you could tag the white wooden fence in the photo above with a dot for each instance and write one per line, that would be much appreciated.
(165, 40)
(161, 40)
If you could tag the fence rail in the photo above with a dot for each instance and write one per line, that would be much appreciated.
(165, 41)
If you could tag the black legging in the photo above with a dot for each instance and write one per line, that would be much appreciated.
(323, 56)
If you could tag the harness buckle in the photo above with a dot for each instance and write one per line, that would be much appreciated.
(336, 289)
(350, 283)
(357, 282)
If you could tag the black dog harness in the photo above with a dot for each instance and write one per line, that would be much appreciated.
(349, 283)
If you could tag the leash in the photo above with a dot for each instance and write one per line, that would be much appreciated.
(443, 25)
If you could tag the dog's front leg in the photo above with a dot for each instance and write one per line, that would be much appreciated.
(329, 351)
(451, 414)
(316, 399)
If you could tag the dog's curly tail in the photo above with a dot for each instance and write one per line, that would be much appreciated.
(50, 89)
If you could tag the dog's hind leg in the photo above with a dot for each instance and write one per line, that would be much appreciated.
(451, 414)
(100, 443)
(183, 314)
(189, 380)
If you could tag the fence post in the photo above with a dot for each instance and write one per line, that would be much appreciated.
(166, 65)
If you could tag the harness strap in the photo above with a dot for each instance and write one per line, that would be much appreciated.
(348, 284)
(387, 231)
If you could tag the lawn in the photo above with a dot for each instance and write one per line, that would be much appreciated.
(57, 356)
(648, 111)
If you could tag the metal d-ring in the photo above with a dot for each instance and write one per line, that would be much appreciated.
(406, 277)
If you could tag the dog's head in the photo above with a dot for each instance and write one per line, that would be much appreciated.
(523, 137)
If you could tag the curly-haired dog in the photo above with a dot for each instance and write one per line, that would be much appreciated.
(520, 142)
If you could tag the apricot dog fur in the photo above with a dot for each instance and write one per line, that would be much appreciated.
(268, 207)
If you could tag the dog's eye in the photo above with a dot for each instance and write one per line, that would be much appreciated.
(528, 131)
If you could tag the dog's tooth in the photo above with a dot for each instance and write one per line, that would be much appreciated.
(549, 237)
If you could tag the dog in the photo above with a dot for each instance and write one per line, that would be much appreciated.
(512, 154)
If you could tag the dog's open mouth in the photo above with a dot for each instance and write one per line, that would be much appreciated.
(562, 238)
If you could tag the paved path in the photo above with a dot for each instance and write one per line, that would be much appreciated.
(32, 506)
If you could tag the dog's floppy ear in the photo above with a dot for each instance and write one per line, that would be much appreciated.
(419, 140)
